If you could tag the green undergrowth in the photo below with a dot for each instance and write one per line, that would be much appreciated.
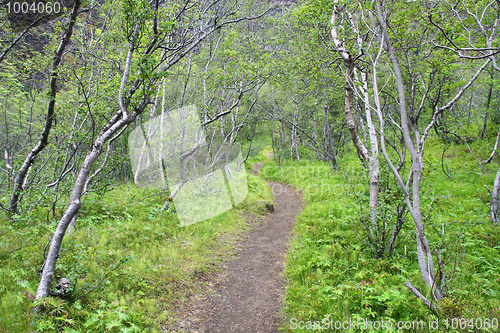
(333, 277)
(131, 265)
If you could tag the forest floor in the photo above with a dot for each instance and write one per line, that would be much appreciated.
(246, 294)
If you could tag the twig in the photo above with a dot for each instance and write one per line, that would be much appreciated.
(442, 161)
(123, 261)
(488, 189)
(44, 255)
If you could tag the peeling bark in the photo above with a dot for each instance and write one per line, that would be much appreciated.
(369, 158)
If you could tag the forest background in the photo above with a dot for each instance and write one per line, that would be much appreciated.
(384, 114)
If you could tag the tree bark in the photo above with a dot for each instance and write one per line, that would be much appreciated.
(349, 87)
(373, 162)
(349, 98)
(367, 157)
(494, 198)
(49, 118)
(424, 256)
(114, 126)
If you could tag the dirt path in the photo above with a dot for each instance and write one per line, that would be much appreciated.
(248, 295)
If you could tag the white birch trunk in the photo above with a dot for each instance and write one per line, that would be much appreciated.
(494, 198)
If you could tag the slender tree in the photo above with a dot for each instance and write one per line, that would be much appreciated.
(21, 175)
(415, 147)
(157, 40)
(370, 157)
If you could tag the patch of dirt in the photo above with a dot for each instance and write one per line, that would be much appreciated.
(247, 295)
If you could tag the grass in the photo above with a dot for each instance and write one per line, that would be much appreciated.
(131, 265)
(332, 275)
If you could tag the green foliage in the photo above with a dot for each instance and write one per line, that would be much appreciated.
(129, 263)
(332, 275)
(329, 272)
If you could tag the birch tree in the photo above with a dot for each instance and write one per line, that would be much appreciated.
(472, 32)
(415, 146)
(21, 175)
(349, 58)
(157, 38)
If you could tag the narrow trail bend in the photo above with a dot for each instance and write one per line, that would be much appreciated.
(248, 295)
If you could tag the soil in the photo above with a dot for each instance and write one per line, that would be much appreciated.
(247, 295)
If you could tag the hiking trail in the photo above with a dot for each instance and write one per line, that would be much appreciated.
(247, 294)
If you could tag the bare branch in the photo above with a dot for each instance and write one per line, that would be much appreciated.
(20, 36)
(128, 63)
(494, 150)
(448, 105)
(419, 295)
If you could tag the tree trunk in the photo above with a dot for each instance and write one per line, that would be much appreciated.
(49, 117)
(349, 86)
(483, 129)
(488, 101)
(373, 162)
(494, 198)
(115, 125)
(351, 124)
(314, 134)
(331, 149)
(424, 256)
(365, 156)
